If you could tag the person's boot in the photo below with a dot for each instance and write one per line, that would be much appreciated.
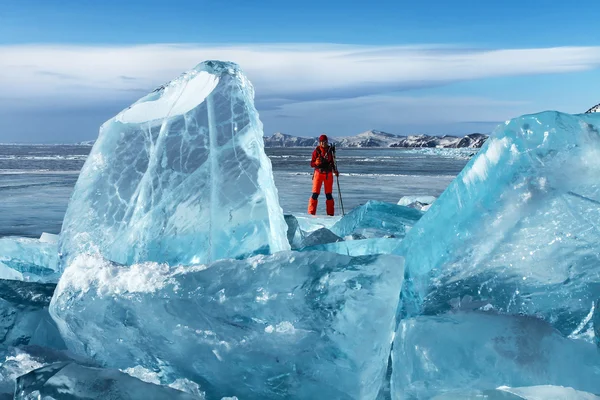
(330, 207)
(312, 206)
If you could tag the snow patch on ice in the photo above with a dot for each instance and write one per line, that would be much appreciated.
(87, 271)
(479, 169)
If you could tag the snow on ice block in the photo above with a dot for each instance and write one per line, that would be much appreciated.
(377, 219)
(482, 351)
(518, 227)
(180, 176)
(69, 380)
(28, 259)
(290, 325)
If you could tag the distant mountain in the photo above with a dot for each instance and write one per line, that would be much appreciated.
(279, 139)
(594, 109)
(375, 138)
(371, 138)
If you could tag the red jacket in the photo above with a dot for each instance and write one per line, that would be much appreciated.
(326, 159)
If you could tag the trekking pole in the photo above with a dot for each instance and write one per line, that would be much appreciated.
(338, 182)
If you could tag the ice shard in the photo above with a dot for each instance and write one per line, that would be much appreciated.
(518, 227)
(295, 235)
(320, 236)
(482, 351)
(422, 203)
(290, 325)
(377, 219)
(180, 176)
(541, 392)
(69, 380)
(18, 361)
(28, 259)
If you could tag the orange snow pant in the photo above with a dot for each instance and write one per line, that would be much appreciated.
(320, 178)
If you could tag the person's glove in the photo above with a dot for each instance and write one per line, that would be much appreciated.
(318, 161)
(337, 173)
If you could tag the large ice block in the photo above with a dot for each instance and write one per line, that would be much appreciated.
(290, 325)
(482, 351)
(180, 176)
(518, 227)
(28, 259)
(377, 219)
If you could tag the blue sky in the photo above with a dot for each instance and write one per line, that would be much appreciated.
(439, 67)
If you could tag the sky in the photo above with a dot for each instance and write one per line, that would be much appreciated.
(336, 67)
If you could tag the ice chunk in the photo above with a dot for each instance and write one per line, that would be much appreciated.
(545, 392)
(290, 325)
(181, 176)
(518, 226)
(408, 200)
(360, 247)
(476, 350)
(320, 236)
(24, 313)
(182, 384)
(49, 238)
(69, 380)
(295, 235)
(377, 219)
(28, 259)
(310, 223)
(22, 360)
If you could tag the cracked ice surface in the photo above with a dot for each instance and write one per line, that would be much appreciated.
(518, 227)
(180, 176)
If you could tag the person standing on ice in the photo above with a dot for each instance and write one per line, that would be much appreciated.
(324, 164)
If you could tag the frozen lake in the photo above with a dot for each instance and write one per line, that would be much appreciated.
(36, 181)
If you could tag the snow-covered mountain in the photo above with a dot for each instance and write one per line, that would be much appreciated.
(594, 109)
(374, 138)
(279, 139)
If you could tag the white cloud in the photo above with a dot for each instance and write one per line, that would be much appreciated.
(396, 114)
(287, 71)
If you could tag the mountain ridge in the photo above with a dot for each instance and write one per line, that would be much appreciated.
(376, 138)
